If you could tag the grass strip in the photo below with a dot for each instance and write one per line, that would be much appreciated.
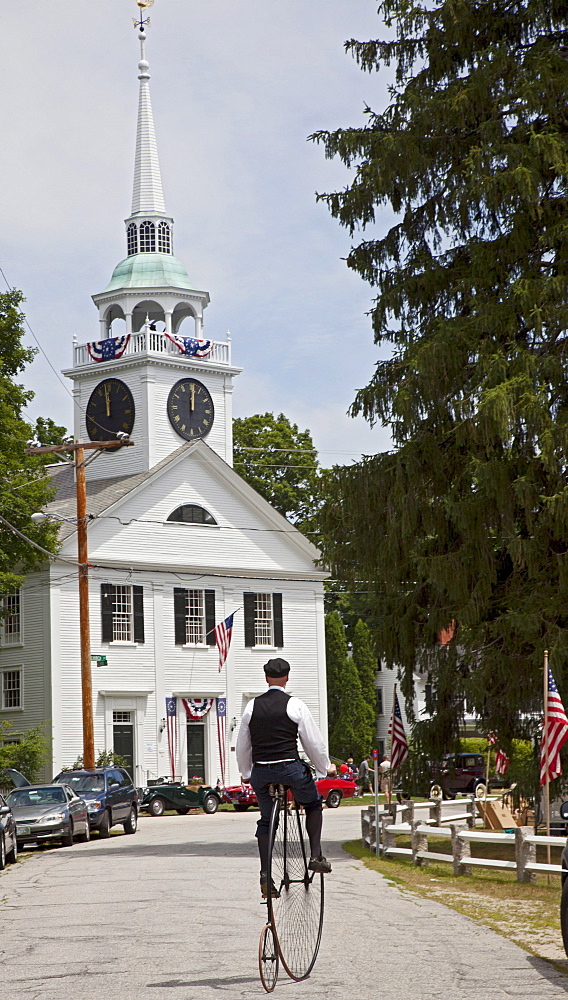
(528, 914)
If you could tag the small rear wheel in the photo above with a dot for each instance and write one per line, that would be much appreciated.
(333, 799)
(268, 961)
(157, 806)
(131, 824)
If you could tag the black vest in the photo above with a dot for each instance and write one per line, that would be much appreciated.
(273, 734)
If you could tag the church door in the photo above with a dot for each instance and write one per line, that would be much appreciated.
(195, 751)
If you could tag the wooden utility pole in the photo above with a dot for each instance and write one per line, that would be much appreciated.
(79, 448)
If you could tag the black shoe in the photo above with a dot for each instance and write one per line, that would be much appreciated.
(274, 894)
(320, 864)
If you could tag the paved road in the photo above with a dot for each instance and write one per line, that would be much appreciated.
(172, 914)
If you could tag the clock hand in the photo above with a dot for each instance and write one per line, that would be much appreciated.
(192, 397)
(107, 400)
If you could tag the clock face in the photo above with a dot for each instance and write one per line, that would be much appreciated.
(190, 409)
(110, 409)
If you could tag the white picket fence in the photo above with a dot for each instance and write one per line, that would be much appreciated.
(423, 820)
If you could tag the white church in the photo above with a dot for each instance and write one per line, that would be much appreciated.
(177, 540)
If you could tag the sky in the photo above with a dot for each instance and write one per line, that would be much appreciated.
(237, 87)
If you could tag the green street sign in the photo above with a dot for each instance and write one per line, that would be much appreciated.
(99, 659)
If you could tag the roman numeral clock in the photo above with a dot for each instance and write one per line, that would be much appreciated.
(190, 409)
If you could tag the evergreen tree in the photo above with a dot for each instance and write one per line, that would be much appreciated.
(336, 662)
(352, 730)
(365, 661)
(465, 525)
(25, 488)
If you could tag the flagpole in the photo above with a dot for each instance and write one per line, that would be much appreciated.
(546, 759)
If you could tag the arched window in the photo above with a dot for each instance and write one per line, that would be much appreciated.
(192, 513)
(164, 238)
(132, 238)
(147, 237)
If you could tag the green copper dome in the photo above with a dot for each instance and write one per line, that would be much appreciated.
(149, 270)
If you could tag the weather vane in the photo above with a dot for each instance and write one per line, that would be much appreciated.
(142, 22)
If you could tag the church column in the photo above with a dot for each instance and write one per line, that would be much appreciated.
(199, 326)
(128, 318)
(168, 315)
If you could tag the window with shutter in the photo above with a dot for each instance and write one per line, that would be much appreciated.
(263, 620)
(248, 602)
(194, 617)
(122, 613)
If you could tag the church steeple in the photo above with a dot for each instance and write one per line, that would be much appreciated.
(147, 196)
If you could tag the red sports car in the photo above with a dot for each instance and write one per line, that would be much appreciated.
(333, 790)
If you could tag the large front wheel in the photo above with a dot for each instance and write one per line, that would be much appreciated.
(297, 914)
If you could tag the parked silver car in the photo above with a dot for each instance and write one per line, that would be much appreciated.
(49, 812)
(8, 842)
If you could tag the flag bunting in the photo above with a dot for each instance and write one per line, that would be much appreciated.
(197, 708)
(222, 735)
(171, 721)
(109, 349)
(190, 346)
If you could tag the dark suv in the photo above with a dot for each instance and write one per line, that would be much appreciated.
(458, 772)
(110, 796)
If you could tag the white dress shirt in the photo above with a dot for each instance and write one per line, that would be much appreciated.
(310, 736)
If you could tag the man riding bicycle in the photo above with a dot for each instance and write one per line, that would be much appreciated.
(267, 754)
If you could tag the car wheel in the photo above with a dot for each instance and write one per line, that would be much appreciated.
(210, 803)
(240, 807)
(157, 806)
(12, 856)
(104, 828)
(436, 792)
(86, 835)
(481, 790)
(564, 913)
(131, 824)
(2, 852)
(333, 798)
(182, 812)
(67, 840)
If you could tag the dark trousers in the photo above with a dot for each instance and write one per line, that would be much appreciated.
(297, 775)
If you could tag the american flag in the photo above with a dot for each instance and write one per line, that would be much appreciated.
(399, 743)
(222, 735)
(223, 633)
(555, 736)
(492, 739)
(171, 720)
(501, 762)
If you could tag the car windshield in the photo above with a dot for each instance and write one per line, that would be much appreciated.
(85, 782)
(23, 797)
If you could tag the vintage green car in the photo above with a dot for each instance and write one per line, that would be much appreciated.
(174, 795)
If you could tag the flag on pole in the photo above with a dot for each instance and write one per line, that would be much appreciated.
(399, 743)
(501, 762)
(171, 722)
(222, 735)
(223, 633)
(492, 739)
(555, 736)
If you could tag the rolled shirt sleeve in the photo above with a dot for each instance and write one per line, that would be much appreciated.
(310, 737)
(243, 747)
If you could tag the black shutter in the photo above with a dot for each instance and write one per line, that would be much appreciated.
(249, 601)
(278, 625)
(138, 608)
(180, 630)
(107, 608)
(210, 617)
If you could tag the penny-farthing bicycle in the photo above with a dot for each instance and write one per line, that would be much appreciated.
(295, 917)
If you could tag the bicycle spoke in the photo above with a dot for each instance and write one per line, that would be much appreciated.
(297, 915)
